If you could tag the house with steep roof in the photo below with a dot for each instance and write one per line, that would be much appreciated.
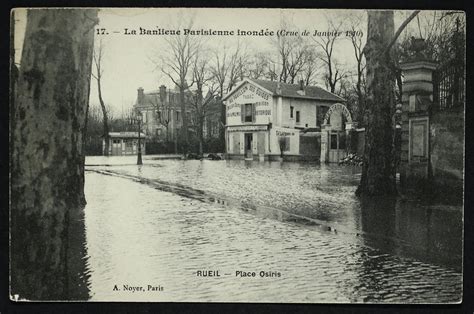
(267, 120)
(161, 112)
(162, 116)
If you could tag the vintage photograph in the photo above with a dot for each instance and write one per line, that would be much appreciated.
(237, 155)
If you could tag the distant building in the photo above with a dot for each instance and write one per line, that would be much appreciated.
(124, 143)
(265, 117)
(161, 111)
(212, 118)
(162, 114)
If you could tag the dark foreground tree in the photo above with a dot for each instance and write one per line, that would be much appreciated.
(47, 161)
(378, 171)
(99, 71)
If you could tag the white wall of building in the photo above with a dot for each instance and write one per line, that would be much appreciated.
(307, 109)
(268, 108)
(249, 94)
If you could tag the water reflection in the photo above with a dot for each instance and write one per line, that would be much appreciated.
(299, 219)
(408, 228)
(78, 272)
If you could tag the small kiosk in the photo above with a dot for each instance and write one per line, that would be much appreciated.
(124, 143)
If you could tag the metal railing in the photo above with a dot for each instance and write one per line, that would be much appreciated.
(449, 86)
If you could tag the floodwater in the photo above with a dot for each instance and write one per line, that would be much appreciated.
(297, 226)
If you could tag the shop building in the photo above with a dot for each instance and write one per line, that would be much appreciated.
(124, 143)
(268, 120)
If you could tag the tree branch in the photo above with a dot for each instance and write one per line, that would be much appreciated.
(400, 30)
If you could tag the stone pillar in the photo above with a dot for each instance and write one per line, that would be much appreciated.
(325, 129)
(417, 97)
(349, 140)
(279, 111)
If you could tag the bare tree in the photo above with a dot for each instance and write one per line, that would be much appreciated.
(202, 75)
(97, 75)
(47, 160)
(357, 45)
(325, 44)
(310, 69)
(163, 112)
(294, 56)
(436, 29)
(177, 65)
(258, 65)
(225, 73)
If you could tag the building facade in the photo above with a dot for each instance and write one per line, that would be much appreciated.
(162, 114)
(267, 120)
(124, 143)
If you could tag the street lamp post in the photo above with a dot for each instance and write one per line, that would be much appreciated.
(139, 157)
(138, 120)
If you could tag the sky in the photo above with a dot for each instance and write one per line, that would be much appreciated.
(128, 59)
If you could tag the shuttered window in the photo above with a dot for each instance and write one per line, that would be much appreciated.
(247, 113)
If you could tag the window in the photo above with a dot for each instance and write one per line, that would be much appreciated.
(291, 111)
(158, 115)
(333, 141)
(321, 113)
(248, 113)
(116, 141)
(297, 117)
(178, 116)
(342, 141)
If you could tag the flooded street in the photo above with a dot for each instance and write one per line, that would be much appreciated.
(298, 225)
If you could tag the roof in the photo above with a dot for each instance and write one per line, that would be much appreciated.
(152, 99)
(125, 135)
(292, 90)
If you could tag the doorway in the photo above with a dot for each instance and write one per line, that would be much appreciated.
(337, 146)
(248, 145)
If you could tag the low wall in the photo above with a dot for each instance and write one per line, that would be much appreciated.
(447, 152)
(310, 146)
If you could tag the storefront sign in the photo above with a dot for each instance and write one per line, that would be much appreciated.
(248, 93)
(247, 128)
(285, 133)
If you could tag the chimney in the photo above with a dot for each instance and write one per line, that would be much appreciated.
(140, 96)
(278, 88)
(163, 93)
(301, 91)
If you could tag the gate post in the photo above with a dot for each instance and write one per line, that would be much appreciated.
(325, 129)
(349, 127)
(417, 98)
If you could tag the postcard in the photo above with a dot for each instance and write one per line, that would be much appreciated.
(237, 155)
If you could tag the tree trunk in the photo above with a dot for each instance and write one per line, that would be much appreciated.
(184, 127)
(47, 161)
(378, 172)
(105, 117)
(201, 134)
(222, 125)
